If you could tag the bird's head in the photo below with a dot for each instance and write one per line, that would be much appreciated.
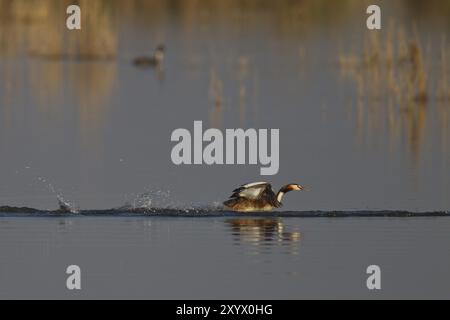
(292, 187)
(287, 188)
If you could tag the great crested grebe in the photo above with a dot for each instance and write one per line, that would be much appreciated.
(153, 61)
(258, 196)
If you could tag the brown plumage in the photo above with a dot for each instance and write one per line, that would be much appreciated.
(258, 196)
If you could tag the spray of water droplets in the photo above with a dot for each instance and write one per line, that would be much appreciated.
(64, 204)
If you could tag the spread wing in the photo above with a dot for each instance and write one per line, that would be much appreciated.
(251, 190)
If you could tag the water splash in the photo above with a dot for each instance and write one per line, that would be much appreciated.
(161, 201)
(153, 199)
(64, 205)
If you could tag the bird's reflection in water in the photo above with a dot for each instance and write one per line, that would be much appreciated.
(263, 234)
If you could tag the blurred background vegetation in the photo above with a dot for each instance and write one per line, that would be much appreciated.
(39, 25)
(398, 73)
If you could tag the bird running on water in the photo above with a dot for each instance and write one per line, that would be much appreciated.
(258, 196)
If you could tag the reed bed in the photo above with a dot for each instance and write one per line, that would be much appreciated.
(397, 79)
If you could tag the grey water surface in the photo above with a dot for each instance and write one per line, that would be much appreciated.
(80, 124)
(224, 257)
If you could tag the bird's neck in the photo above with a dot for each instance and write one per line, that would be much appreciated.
(159, 56)
(280, 195)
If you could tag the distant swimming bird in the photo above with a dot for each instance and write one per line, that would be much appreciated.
(155, 60)
(258, 196)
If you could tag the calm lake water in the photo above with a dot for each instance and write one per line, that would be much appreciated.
(224, 257)
(364, 120)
